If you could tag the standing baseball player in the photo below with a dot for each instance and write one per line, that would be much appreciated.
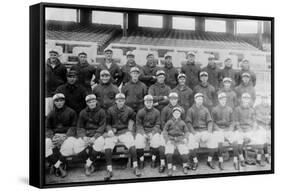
(229, 72)
(207, 90)
(105, 91)
(184, 92)
(110, 65)
(245, 68)
(160, 91)
(191, 70)
(120, 126)
(148, 132)
(232, 100)
(85, 71)
(134, 90)
(126, 69)
(170, 71)
(199, 122)
(74, 93)
(55, 75)
(149, 70)
(223, 129)
(60, 124)
(214, 73)
(176, 137)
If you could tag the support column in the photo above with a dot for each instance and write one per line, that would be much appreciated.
(199, 24)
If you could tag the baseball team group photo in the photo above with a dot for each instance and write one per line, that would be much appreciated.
(132, 95)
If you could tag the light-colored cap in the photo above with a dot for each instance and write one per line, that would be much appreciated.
(148, 98)
(135, 69)
(222, 95)
(130, 53)
(198, 95)
(173, 95)
(246, 95)
(227, 79)
(58, 96)
(105, 72)
(120, 96)
(90, 97)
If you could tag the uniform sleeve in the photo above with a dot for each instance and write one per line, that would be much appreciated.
(63, 74)
(49, 125)
(236, 117)
(208, 116)
(102, 123)
(139, 122)
(163, 117)
(157, 126)
(118, 76)
(109, 120)
(162, 100)
(81, 120)
(98, 70)
(165, 130)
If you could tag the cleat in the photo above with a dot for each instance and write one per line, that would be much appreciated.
(211, 165)
(185, 170)
(108, 175)
(137, 172)
(161, 168)
(195, 166)
(221, 166)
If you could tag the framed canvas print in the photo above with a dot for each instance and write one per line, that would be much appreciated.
(123, 95)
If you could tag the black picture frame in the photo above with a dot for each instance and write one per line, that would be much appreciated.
(37, 87)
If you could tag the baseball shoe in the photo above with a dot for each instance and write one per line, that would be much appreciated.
(89, 170)
(195, 166)
(161, 168)
(108, 175)
(185, 170)
(210, 164)
(170, 172)
(221, 166)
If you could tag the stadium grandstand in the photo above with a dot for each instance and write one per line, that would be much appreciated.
(92, 31)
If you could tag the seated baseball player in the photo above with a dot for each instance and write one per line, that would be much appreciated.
(223, 129)
(199, 122)
(120, 122)
(167, 111)
(148, 132)
(263, 117)
(160, 91)
(249, 134)
(175, 133)
(90, 130)
(60, 124)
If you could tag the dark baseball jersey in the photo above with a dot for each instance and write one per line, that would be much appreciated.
(148, 120)
(222, 116)
(158, 91)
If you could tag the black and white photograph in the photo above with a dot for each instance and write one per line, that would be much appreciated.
(137, 95)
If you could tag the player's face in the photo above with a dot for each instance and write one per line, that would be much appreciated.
(222, 101)
(173, 101)
(191, 58)
(53, 56)
(245, 65)
(245, 101)
(228, 63)
(59, 103)
(246, 79)
(227, 85)
(161, 79)
(108, 54)
(130, 58)
(148, 104)
(71, 79)
(176, 114)
(105, 78)
(204, 79)
(182, 81)
(120, 103)
(92, 104)
(199, 101)
(82, 58)
(150, 58)
(135, 76)
(168, 60)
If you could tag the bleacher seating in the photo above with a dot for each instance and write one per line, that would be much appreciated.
(181, 38)
(72, 31)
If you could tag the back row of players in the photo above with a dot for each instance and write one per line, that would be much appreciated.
(157, 105)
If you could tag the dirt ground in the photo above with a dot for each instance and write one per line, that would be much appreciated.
(76, 171)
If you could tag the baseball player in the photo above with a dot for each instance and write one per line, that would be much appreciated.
(176, 135)
(214, 73)
(55, 75)
(149, 70)
(199, 122)
(134, 90)
(232, 100)
(110, 65)
(246, 87)
(245, 68)
(229, 72)
(245, 122)
(120, 122)
(263, 117)
(74, 93)
(126, 69)
(160, 91)
(148, 132)
(85, 71)
(60, 124)
(167, 111)
(191, 70)
(105, 91)
(223, 129)
(170, 71)
(207, 90)
(184, 92)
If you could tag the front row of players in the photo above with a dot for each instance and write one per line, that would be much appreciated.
(98, 132)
